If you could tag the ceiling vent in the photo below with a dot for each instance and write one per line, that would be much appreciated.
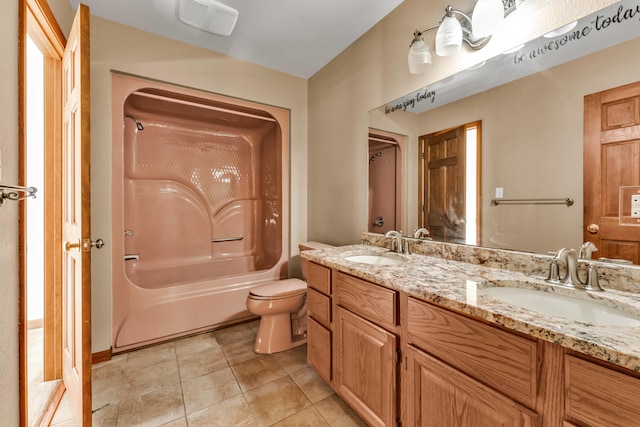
(209, 15)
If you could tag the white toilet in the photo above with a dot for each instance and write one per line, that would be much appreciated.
(282, 305)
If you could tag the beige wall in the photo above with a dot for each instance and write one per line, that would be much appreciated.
(372, 72)
(125, 49)
(9, 413)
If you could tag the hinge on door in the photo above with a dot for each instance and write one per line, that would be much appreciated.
(422, 156)
(398, 357)
(422, 207)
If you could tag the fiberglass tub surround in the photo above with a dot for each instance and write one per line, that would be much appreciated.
(202, 212)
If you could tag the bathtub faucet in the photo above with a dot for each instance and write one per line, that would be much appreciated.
(132, 257)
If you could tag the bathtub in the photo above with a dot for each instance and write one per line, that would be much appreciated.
(200, 208)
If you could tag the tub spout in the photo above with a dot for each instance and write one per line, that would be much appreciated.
(131, 257)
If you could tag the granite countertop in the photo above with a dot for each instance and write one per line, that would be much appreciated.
(458, 286)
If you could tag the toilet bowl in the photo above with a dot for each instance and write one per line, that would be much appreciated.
(282, 307)
(277, 303)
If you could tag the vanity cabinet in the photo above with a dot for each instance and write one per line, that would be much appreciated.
(319, 321)
(598, 396)
(463, 372)
(366, 348)
(394, 357)
(440, 395)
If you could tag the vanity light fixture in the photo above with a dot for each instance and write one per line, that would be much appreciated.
(454, 28)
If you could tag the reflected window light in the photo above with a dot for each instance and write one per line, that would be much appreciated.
(471, 185)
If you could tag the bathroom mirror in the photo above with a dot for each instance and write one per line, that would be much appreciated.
(530, 103)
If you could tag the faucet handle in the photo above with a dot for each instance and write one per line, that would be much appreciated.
(554, 272)
(592, 283)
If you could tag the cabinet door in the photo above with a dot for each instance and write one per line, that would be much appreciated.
(366, 368)
(319, 349)
(440, 395)
(598, 396)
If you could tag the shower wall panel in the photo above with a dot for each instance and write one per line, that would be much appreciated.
(203, 208)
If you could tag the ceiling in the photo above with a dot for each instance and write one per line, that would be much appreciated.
(297, 37)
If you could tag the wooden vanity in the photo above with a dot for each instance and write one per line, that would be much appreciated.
(397, 359)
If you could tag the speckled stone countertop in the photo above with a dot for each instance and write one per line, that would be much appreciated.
(458, 285)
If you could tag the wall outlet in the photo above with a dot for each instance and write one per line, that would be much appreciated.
(635, 206)
(499, 192)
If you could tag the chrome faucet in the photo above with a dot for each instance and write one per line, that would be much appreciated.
(586, 249)
(420, 233)
(571, 278)
(396, 240)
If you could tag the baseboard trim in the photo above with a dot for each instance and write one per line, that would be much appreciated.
(53, 405)
(101, 356)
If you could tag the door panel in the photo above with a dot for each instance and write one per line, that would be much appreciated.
(444, 210)
(76, 259)
(611, 160)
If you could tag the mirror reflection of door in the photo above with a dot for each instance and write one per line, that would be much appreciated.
(385, 184)
(611, 161)
(449, 183)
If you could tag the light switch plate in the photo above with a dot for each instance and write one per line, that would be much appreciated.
(499, 192)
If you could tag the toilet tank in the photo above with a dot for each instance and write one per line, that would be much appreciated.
(310, 246)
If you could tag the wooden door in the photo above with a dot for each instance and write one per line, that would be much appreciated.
(443, 191)
(76, 226)
(611, 160)
(366, 368)
(439, 395)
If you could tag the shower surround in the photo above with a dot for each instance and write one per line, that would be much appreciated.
(200, 208)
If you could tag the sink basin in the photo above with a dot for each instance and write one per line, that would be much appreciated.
(563, 306)
(375, 259)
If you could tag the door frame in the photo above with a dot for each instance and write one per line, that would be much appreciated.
(37, 20)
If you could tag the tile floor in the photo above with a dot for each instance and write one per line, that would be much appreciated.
(212, 379)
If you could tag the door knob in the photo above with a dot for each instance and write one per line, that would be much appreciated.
(87, 244)
(67, 246)
(593, 228)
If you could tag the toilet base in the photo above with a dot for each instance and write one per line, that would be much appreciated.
(274, 335)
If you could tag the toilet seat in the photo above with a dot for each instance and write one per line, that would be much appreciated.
(278, 290)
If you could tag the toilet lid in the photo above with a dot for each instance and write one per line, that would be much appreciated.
(279, 289)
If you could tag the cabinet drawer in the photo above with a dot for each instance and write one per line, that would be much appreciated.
(502, 360)
(319, 306)
(319, 349)
(319, 278)
(597, 396)
(370, 301)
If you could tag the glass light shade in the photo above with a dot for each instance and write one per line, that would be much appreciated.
(448, 37)
(419, 57)
(487, 17)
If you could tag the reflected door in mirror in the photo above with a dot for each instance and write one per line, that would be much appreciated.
(384, 181)
(449, 183)
(611, 160)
